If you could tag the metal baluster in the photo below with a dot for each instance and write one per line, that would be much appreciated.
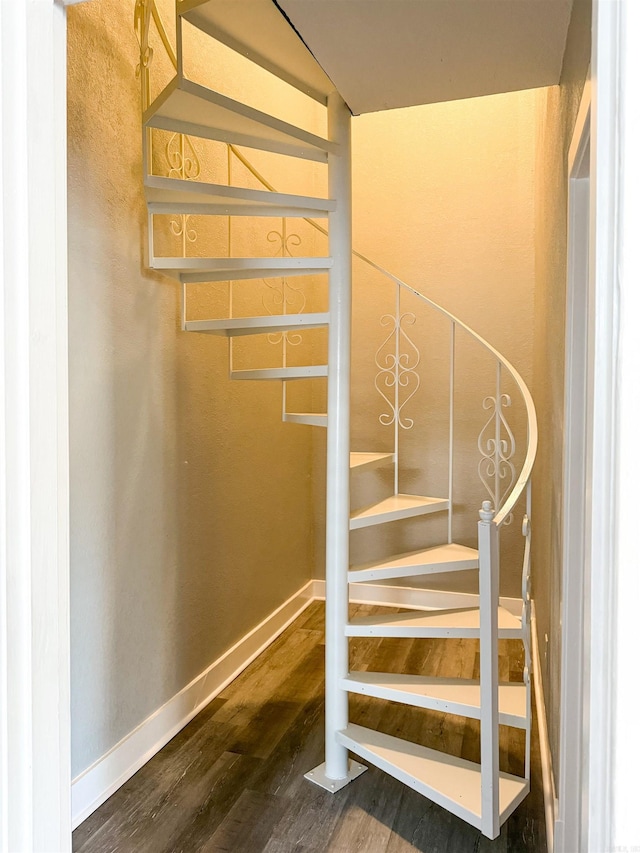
(452, 368)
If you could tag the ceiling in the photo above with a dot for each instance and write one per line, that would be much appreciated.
(383, 54)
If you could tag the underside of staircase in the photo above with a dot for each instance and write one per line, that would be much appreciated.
(182, 119)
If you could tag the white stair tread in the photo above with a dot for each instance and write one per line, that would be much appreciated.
(186, 107)
(223, 269)
(308, 418)
(257, 29)
(359, 459)
(449, 781)
(396, 507)
(449, 695)
(307, 372)
(257, 325)
(462, 622)
(442, 558)
(174, 195)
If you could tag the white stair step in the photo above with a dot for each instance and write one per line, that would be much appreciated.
(186, 107)
(359, 460)
(257, 29)
(442, 558)
(311, 371)
(174, 195)
(257, 325)
(449, 695)
(224, 269)
(463, 622)
(451, 782)
(308, 418)
(395, 508)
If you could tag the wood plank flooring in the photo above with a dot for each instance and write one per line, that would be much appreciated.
(232, 780)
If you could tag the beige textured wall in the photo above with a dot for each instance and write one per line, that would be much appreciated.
(443, 198)
(191, 513)
(557, 111)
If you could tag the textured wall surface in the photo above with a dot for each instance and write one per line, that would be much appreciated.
(443, 198)
(557, 111)
(191, 514)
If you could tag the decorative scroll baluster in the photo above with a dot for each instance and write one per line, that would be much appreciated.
(283, 296)
(184, 164)
(497, 446)
(141, 22)
(397, 380)
(181, 158)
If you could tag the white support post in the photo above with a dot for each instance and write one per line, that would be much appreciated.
(489, 730)
(337, 771)
(452, 382)
(396, 399)
(338, 422)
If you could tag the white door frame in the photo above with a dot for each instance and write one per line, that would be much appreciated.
(570, 830)
(610, 769)
(34, 462)
(624, 591)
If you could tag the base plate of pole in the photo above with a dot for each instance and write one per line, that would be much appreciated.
(319, 777)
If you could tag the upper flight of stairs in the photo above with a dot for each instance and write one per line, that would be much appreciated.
(477, 793)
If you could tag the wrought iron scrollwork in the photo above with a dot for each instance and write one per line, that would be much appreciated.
(141, 21)
(182, 158)
(283, 297)
(183, 163)
(397, 360)
(497, 446)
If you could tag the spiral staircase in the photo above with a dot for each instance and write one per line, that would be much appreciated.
(188, 113)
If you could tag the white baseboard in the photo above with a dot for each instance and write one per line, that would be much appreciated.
(99, 781)
(548, 784)
(96, 784)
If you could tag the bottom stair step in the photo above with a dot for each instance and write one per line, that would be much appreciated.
(449, 695)
(451, 782)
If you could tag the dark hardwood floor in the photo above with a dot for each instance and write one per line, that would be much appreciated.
(232, 780)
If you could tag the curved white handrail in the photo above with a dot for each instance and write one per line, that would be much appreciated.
(532, 424)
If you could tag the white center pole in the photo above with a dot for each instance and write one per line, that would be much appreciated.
(339, 387)
(337, 771)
